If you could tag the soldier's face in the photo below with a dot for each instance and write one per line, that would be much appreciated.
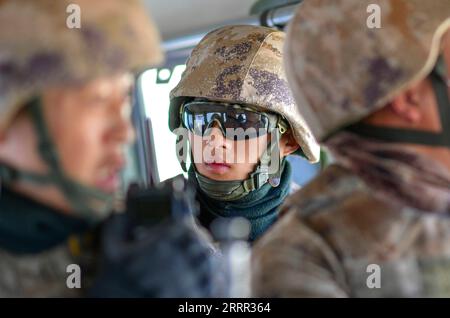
(90, 126)
(223, 159)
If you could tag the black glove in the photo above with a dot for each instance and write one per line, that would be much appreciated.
(170, 259)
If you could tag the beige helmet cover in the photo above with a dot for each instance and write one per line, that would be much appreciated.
(243, 64)
(340, 70)
(38, 49)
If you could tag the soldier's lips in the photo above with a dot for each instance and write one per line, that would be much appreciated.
(108, 179)
(108, 182)
(218, 168)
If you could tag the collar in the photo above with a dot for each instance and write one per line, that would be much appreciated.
(260, 206)
(27, 226)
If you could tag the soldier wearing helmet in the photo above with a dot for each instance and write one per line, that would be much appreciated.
(64, 122)
(375, 223)
(234, 92)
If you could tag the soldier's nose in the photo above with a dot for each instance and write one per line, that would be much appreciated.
(216, 136)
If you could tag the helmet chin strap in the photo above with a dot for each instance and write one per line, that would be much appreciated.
(397, 135)
(89, 203)
(237, 189)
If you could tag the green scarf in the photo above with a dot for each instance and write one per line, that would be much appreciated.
(260, 206)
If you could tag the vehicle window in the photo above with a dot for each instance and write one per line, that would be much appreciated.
(156, 85)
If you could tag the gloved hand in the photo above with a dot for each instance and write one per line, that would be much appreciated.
(170, 259)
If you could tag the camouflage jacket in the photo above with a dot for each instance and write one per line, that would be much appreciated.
(46, 274)
(336, 239)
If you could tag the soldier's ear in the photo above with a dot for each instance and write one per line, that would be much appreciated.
(288, 144)
(407, 105)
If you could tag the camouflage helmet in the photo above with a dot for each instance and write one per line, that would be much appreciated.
(39, 50)
(341, 70)
(242, 64)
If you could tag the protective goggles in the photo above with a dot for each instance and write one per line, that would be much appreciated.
(237, 122)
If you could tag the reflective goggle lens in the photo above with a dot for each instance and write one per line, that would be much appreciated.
(245, 123)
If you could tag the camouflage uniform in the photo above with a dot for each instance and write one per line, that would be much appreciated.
(381, 203)
(46, 274)
(38, 50)
(334, 228)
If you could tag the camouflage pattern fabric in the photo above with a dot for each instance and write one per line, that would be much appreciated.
(333, 229)
(395, 173)
(45, 274)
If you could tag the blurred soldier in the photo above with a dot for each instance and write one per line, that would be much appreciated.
(375, 224)
(64, 122)
(234, 92)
